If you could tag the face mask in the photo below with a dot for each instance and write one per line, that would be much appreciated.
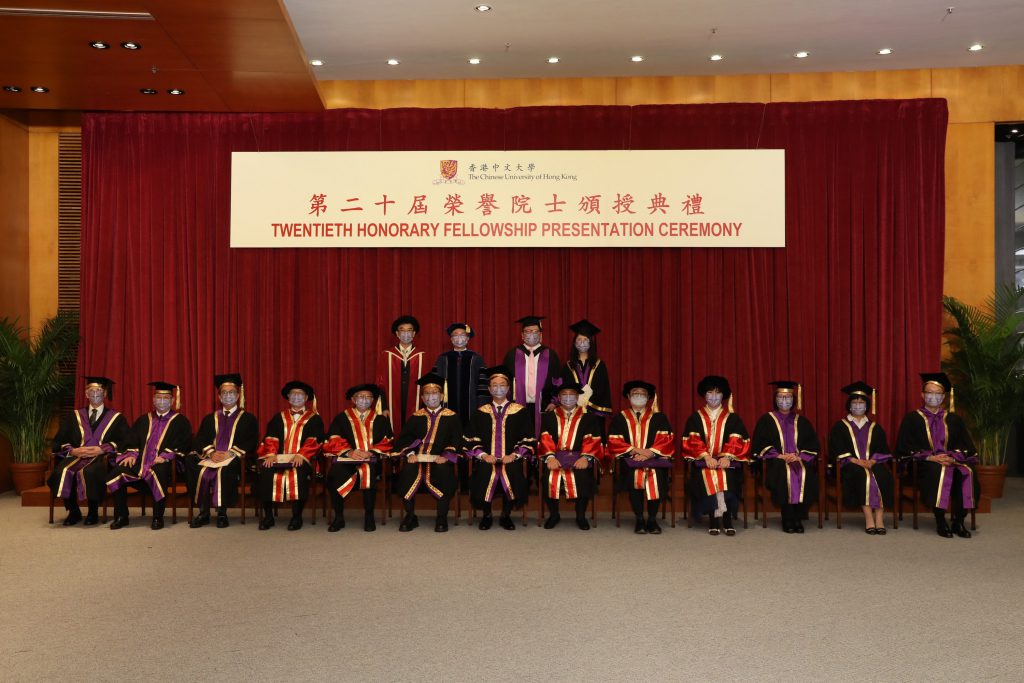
(858, 408)
(95, 397)
(432, 400)
(638, 401)
(406, 337)
(784, 402)
(229, 398)
(583, 345)
(531, 338)
(498, 392)
(363, 403)
(933, 400)
(162, 405)
(713, 399)
(297, 400)
(460, 341)
(568, 400)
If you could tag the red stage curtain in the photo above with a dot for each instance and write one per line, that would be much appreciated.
(856, 294)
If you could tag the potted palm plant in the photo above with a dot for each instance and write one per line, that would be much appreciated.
(986, 366)
(36, 376)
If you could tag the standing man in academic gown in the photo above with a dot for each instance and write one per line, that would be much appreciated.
(570, 448)
(155, 441)
(641, 438)
(358, 438)
(84, 441)
(398, 369)
(788, 446)
(429, 446)
(716, 442)
(940, 443)
(534, 367)
(226, 439)
(286, 455)
(499, 438)
(463, 372)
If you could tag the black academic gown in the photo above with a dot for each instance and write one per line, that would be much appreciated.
(75, 478)
(596, 376)
(278, 484)
(218, 486)
(941, 486)
(861, 487)
(731, 441)
(795, 484)
(549, 367)
(347, 432)
(578, 437)
(429, 433)
(656, 434)
(514, 428)
(145, 444)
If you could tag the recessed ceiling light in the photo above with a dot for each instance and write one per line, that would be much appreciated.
(483, 8)
(474, 60)
(129, 45)
(316, 62)
(1013, 130)
(885, 51)
(99, 45)
(147, 91)
(39, 89)
(977, 47)
(636, 58)
(175, 91)
(12, 88)
(802, 54)
(552, 60)
(716, 58)
(393, 62)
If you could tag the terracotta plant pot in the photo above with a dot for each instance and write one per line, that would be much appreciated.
(991, 478)
(28, 475)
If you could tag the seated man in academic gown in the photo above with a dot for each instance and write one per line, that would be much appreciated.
(498, 439)
(938, 440)
(717, 443)
(286, 454)
(154, 442)
(570, 448)
(788, 446)
(641, 438)
(357, 439)
(226, 438)
(429, 446)
(84, 441)
(532, 368)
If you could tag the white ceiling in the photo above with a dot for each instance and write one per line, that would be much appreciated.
(434, 38)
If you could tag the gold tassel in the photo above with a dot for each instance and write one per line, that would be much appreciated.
(874, 398)
(314, 404)
(654, 404)
(241, 397)
(952, 400)
(445, 393)
(799, 396)
(730, 404)
(380, 405)
(177, 397)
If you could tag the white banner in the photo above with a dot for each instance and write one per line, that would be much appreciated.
(613, 198)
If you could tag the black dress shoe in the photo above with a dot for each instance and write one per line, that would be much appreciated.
(944, 531)
(798, 527)
(266, 523)
(201, 520)
(639, 527)
(583, 524)
(222, 522)
(653, 527)
(961, 531)
(552, 522)
(369, 523)
(871, 530)
(337, 525)
(441, 525)
(295, 523)
(788, 526)
(506, 523)
(157, 524)
(880, 531)
(486, 522)
(119, 523)
(91, 519)
(73, 518)
(409, 522)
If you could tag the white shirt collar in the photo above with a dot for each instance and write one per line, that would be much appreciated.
(859, 421)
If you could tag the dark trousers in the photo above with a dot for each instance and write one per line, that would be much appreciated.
(636, 501)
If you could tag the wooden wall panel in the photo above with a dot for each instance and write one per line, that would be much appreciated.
(981, 94)
(693, 89)
(42, 220)
(14, 219)
(531, 92)
(970, 211)
(391, 94)
(858, 85)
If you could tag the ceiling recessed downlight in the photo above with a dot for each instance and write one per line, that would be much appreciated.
(175, 91)
(99, 45)
(552, 60)
(716, 58)
(885, 51)
(977, 47)
(802, 55)
(474, 60)
(316, 62)
(39, 89)
(131, 45)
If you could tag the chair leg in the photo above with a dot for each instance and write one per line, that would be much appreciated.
(974, 526)
(174, 493)
(51, 508)
(242, 491)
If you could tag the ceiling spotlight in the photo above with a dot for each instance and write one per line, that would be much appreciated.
(129, 45)
(802, 55)
(175, 91)
(483, 8)
(11, 88)
(39, 89)
(99, 45)
(977, 47)
(552, 60)
(393, 62)
(147, 91)
(636, 58)
(885, 51)
(316, 62)
(474, 60)
(1013, 130)
(716, 58)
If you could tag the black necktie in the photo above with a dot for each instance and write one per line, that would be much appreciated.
(638, 415)
(92, 417)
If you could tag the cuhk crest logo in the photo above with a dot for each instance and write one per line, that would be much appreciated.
(449, 167)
